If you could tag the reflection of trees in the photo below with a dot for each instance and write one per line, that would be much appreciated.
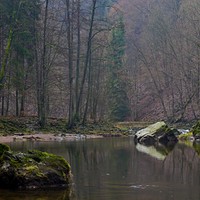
(98, 163)
(41, 194)
(95, 162)
(182, 166)
(197, 147)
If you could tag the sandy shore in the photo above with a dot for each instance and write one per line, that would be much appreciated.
(46, 137)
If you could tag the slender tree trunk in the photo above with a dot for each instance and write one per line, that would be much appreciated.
(17, 102)
(70, 62)
(88, 89)
(38, 74)
(89, 44)
(38, 83)
(2, 102)
(96, 90)
(43, 78)
(1, 55)
(77, 114)
(1, 41)
(23, 92)
(8, 91)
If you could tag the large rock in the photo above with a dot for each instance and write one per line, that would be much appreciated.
(158, 132)
(32, 170)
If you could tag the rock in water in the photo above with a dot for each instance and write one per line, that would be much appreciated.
(32, 170)
(158, 132)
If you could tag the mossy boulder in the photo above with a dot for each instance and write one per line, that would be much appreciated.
(158, 132)
(32, 170)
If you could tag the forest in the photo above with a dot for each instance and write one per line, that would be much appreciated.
(96, 60)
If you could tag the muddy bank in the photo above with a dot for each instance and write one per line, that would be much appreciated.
(46, 137)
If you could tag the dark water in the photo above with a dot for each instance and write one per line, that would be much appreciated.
(113, 169)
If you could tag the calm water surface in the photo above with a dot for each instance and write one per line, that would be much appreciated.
(114, 169)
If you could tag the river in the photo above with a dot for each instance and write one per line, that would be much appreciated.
(114, 169)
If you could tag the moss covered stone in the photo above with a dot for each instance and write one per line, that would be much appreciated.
(34, 169)
(158, 132)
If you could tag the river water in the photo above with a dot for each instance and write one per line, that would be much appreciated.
(115, 169)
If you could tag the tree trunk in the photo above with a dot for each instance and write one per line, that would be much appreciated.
(89, 44)
(22, 103)
(17, 102)
(5, 58)
(8, 92)
(70, 62)
(77, 114)
(2, 102)
(88, 89)
(43, 75)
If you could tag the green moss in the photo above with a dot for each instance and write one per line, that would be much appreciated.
(30, 162)
(55, 125)
(10, 125)
(51, 159)
(196, 129)
(130, 125)
(185, 136)
(33, 169)
(13, 125)
(101, 128)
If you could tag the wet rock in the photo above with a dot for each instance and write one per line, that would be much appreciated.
(168, 137)
(148, 140)
(32, 170)
(158, 132)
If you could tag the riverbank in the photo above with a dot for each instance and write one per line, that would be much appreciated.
(45, 137)
(27, 128)
(29, 125)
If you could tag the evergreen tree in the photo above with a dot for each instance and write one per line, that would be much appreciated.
(118, 103)
(18, 23)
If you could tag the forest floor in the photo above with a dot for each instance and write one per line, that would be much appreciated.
(27, 128)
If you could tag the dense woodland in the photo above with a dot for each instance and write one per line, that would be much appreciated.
(91, 60)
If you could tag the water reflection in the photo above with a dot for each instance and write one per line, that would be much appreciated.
(196, 146)
(113, 169)
(36, 195)
(158, 151)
